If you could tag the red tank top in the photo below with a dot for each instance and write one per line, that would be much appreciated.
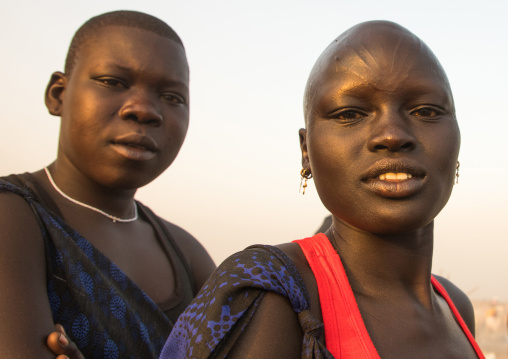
(345, 333)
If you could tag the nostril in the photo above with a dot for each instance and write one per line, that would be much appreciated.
(131, 116)
(407, 145)
(379, 147)
(391, 144)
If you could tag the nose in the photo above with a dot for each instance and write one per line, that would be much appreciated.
(391, 133)
(141, 107)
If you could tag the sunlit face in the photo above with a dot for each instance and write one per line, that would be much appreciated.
(382, 140)
(125, 107)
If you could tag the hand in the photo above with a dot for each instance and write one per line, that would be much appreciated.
(62, 346)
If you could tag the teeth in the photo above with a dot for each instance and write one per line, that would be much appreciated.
(394, 176)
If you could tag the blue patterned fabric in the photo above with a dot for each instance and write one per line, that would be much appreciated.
(215, 319)
(102, 310)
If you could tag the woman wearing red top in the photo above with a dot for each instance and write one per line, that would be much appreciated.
(382, 144)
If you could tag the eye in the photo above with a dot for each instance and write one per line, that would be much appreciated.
(348, 116)
(426, 112)
(111, 82)
(173, 98)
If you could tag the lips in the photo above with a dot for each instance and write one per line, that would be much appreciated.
(135, 146)
(395, 178)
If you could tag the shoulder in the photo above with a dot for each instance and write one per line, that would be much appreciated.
(273, 332)
(187, 243)
(20, 232)
(461, 302)
(250, 293)
(16, 215)
(181, 236)
(24, 302)
(20, 208)
(255, 263)
(261, 267)
(294, 251)
(275, 329)
(199, 261)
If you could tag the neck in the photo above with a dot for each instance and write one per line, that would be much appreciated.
(376, 263)
(118, 206)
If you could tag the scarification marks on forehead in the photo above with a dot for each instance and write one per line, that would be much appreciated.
(371, 58)
(378, 52)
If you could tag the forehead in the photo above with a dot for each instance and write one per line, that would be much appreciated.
(380, 57)
(135, 49)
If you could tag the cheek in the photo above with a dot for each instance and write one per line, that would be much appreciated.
(333, 159)
(443, 150)
(86, 113)
(178, 130)
(174, 135)
(332, 155)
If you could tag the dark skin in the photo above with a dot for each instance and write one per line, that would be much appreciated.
(377, 103)
(124, 116)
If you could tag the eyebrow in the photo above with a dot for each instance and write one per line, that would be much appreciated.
(165, 81)
(366, 90)
(358, 90)
(441, 90)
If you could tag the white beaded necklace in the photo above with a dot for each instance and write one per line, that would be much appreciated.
(113, 218)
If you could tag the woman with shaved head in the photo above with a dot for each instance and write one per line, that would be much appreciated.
(381, 142)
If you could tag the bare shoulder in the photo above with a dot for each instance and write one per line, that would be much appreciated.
(198, 259)
(18, 223)
(273, 332)
(295, 253)
(24, 304)
(460, 300)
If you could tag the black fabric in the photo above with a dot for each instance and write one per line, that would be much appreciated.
(102, 310)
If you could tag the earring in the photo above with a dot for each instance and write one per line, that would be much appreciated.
(306, 176)
(457, 172)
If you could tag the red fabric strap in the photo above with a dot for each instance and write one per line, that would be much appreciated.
(345, 332)
(440, 289)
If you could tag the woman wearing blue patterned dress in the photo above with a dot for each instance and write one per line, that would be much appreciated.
(75, 247)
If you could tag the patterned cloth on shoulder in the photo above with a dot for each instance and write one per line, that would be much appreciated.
(102, 310)
(215, 319)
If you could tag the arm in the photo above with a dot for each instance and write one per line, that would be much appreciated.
(273, 332)
(25, 315)
(461, 301)
(198, 259)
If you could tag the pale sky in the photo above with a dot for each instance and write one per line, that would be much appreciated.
(236, 180)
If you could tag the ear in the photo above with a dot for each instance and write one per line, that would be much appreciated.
(54, 93)
(305, 154)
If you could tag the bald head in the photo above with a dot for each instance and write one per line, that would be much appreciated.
(377, 52)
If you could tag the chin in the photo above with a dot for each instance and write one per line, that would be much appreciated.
(130, 179)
